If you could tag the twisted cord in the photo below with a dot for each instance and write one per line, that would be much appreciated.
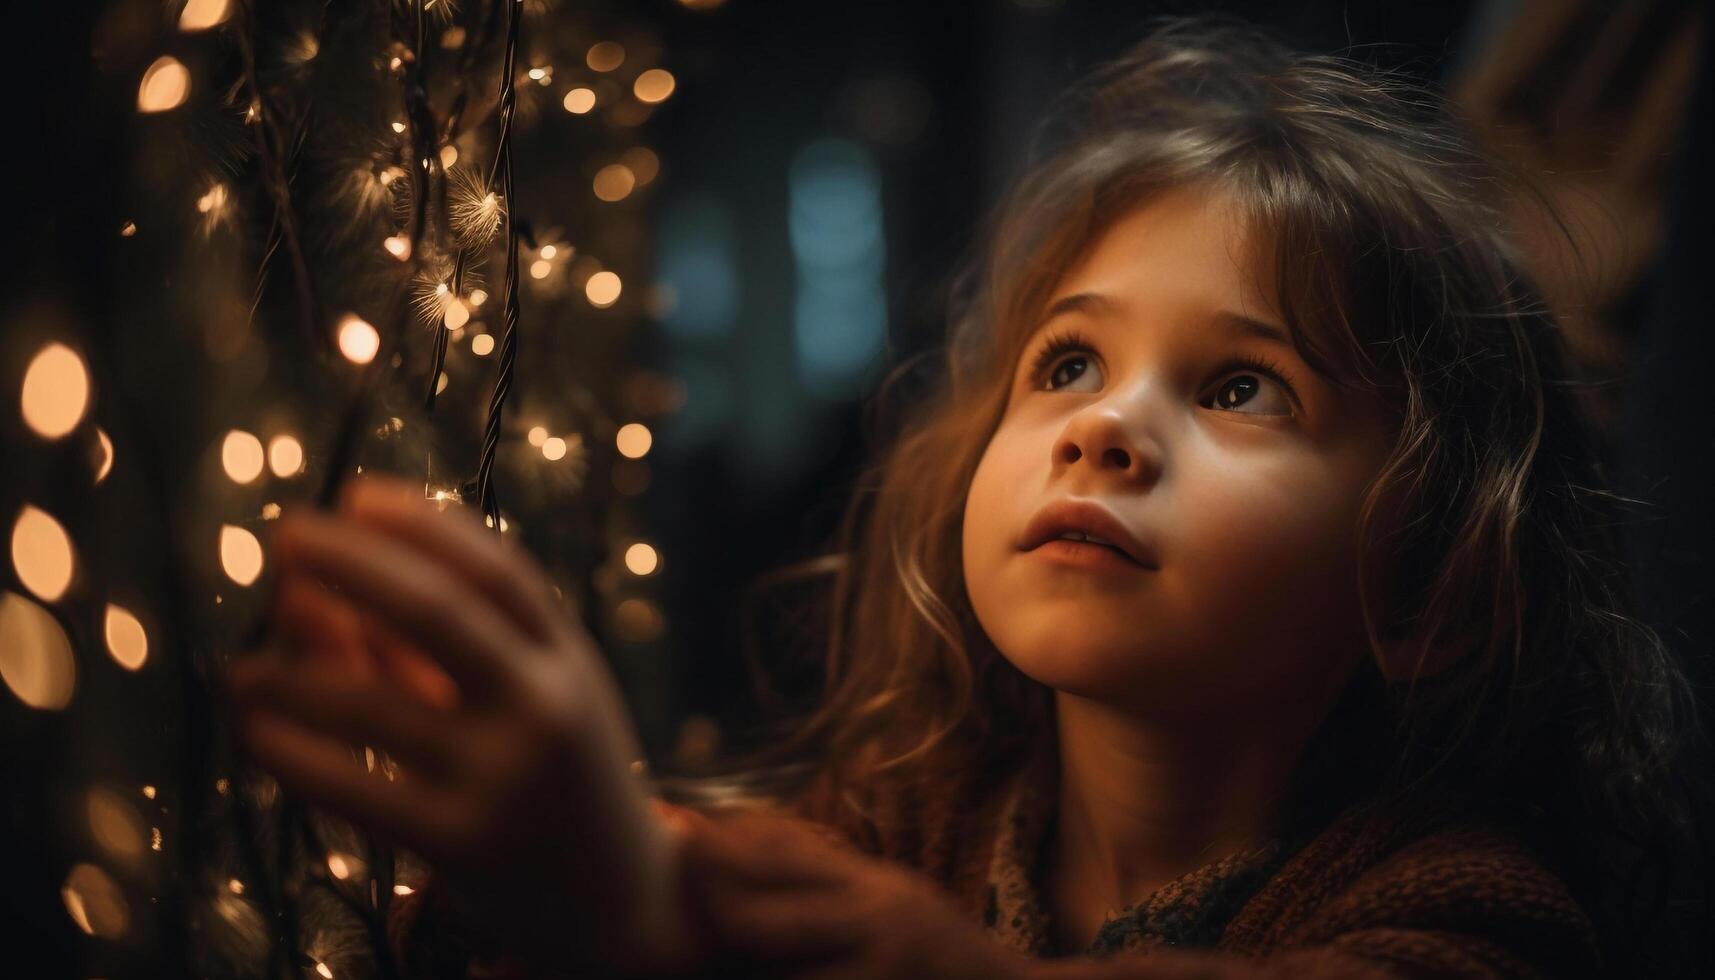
(509, 337)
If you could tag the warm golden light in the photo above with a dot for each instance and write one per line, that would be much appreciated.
(441, 383)
(149, 792)
(324, 970)
(482, 345)
(94, 902)
(200, 15)
(41, 554)
(602, 290)
(285, 456)
(644, 164)
(126, 639)
(548, 251)
(536, 436)
(398, 127)
(241, 456)
(240, 554)
(106, 465)
(398, 246)
(403, 889)
(35, 655)
(554, 448)
(633, 440)
(605, 56)
(457, 314)
(338, 866)
(640, 559)
(579, 101)
(56, 391)
(653, 85)
(541, 269)
(614, 182)
(165, 85)
(449, 156)
(478, 297)
(358, 341)
(638, 620)
(114, 824)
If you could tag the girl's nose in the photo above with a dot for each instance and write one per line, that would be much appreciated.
(1109, 442)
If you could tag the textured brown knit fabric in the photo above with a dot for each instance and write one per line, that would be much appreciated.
(1358, 898)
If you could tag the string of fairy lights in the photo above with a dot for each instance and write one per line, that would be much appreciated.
(294, 892)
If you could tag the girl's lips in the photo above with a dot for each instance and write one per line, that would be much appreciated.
(1086, 554)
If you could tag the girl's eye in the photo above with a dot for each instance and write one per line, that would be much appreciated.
(1253, 386)
(1257, 390)
(1069, 370)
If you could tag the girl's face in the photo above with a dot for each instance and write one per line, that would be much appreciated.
(1180, 408)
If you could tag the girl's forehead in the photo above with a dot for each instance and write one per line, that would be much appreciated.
(1189, 248)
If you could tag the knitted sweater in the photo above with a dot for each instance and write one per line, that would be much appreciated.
(1357, 899)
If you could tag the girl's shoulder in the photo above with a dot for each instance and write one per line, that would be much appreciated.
(1465, 890)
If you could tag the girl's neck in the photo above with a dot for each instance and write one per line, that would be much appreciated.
(1143, 803)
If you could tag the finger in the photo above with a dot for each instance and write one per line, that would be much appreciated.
(321, 623)
(779, 925)
(321, 770)
(761, 851)
(427, 604)
(409, 666)
(499, 570)
(329, 702)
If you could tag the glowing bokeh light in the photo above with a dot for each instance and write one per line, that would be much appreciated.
(127, 641)
(614, 182)
(653, 85)
(554, 448)
(482, 345)
(449, 156)
(579, 101)
(35, 655)
(241, 456)
(114, 823)
(536, 436)
(285, 456)
(478, 297)
(55, 392)
(105, 466)
(200, 15)
(548, 251)
(165, 85)
(398, 246)
(602, 290)
(456, 313)
(240, 554)
(42, 554)
(358, 341)
(95, 902)
(541, 269)
(633, 440)
(641, 559)
(644, 164)
(605, 56)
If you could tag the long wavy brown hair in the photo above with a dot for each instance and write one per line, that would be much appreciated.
(1564, 714)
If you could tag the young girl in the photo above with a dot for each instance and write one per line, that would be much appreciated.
(1244, 588)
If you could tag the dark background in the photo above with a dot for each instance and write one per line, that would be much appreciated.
(941, 97)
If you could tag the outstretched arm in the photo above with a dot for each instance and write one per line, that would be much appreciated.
(421, 634)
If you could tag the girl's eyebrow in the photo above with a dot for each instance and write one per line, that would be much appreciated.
(1101, 304)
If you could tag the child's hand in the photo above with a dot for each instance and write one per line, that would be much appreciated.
(770, 893)
(437, 643)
